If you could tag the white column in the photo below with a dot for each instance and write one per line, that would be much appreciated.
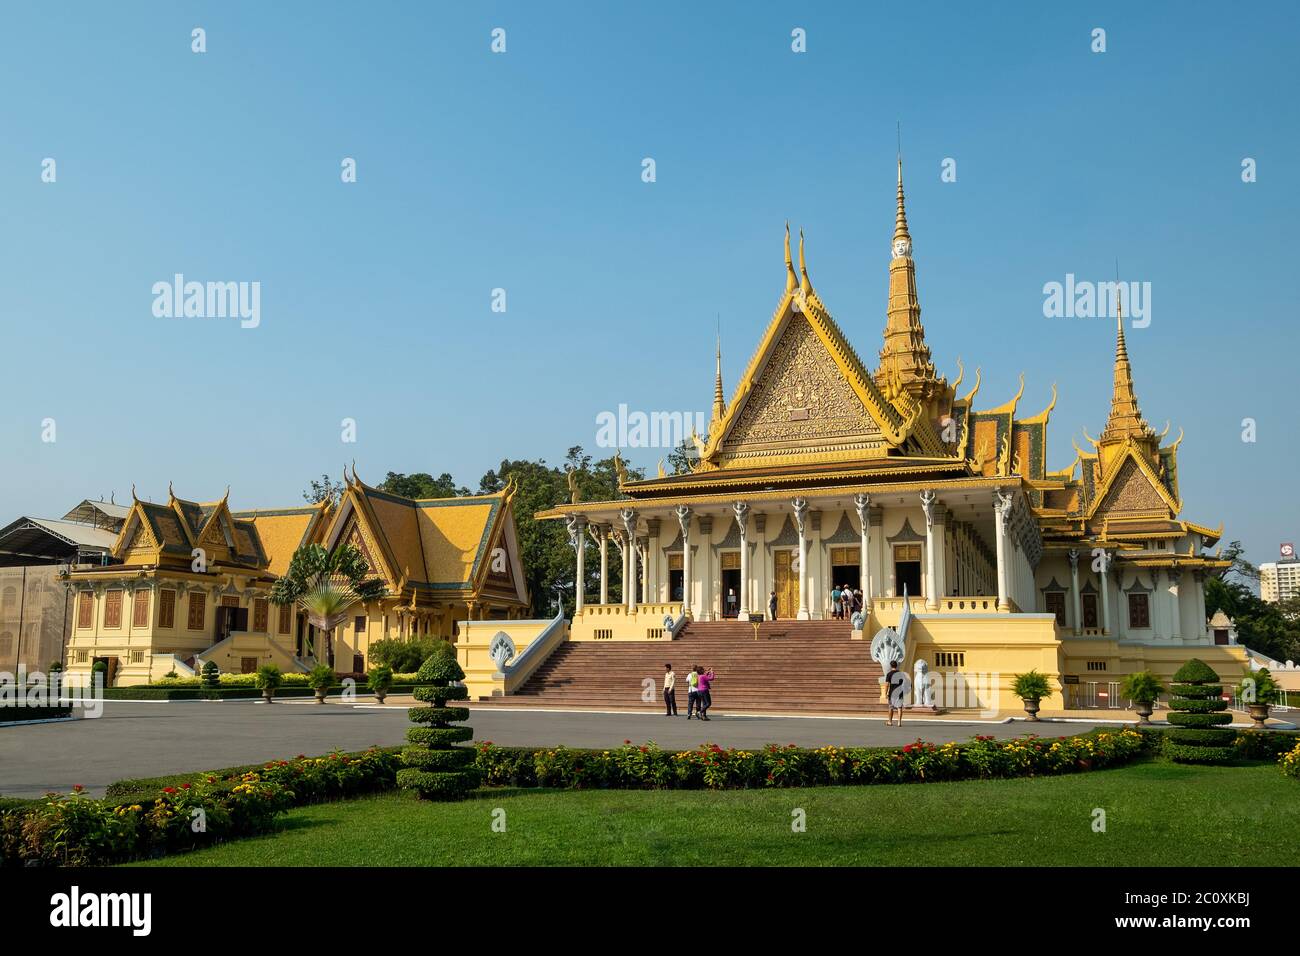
(629, 517)
(1105, 593)
(801, 520)
(741, 510)
(604, 564)
(863, 504)
(1001, 513)
(931, 572)
(684, 519)
(1074, 591)
(578, 538)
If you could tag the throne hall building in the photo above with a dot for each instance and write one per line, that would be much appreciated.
(819, 471)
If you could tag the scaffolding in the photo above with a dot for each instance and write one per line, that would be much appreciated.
(35, 618)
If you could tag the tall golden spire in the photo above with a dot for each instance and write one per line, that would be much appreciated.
(1125, 417)
(905, 358)
(719, 407)
(900, 219)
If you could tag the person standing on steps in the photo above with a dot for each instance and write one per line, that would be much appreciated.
(835, 602)
(705, 693)
(670, 691)
(692, 695)
(771, 605)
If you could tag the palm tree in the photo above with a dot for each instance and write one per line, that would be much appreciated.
(326, 585)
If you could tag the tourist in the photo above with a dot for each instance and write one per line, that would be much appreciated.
(771, 605)
(670, 691)
(857, 600)
(894, 687)
(706, 679)
(836, 595)
(847, 610)
(692, 695)
(731, 602)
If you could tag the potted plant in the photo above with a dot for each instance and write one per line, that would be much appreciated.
(320, 680)
(268, 679)
(381, 679)
(1258, 691)
(1031, 688)
(1144, 689)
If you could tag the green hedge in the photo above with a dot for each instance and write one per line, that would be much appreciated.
(154, 692)
(711, 767)
(33, 713)
(148, 785)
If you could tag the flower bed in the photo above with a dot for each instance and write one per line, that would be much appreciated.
(1290, 763)
(711, 767)
(141, 819)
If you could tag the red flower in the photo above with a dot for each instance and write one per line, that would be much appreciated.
(169, 790)
(77, 788)
(625, 741)
(185, 786)
(907, 749)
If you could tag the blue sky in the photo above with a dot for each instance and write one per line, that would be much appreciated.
(522, 171)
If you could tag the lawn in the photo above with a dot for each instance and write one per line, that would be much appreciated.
(1157, 814)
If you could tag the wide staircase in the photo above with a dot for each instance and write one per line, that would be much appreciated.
(793, 667)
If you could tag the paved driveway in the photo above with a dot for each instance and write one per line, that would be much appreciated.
(143, 739)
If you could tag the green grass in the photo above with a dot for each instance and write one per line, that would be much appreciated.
(1157, 814)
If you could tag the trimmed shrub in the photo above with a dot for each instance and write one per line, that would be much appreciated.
(1265, 744)
(1198, 712)
(211, 678)
(436, 769)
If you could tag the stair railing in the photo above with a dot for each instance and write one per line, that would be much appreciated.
(518, 670)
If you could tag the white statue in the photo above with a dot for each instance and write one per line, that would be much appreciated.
(922, 689)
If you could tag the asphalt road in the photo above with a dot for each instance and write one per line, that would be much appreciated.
(142, 739)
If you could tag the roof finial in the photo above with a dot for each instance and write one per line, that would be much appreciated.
(171, 495)
(791, 281)
(806, 285)
(900, 219)
(719, 406)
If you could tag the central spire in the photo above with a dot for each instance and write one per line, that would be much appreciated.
(1125, 418)
(905, 359)
(719, 406)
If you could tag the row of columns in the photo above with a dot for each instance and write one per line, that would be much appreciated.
(935, 538)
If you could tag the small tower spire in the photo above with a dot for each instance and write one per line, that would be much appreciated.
(905, 358)
(719, 406)
(1125, 416)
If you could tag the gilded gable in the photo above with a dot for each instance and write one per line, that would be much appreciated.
(800, 399)
(1132, 491)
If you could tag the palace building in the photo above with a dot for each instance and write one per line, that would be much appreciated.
(191, 581)
(819, 471)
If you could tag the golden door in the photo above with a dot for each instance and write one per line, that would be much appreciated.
(786, 583)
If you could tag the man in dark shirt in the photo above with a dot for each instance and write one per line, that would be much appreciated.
(896, 687)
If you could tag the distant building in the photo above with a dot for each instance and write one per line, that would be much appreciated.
(35, 604)
(1280, 580)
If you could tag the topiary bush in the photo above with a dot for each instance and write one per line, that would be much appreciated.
(211, 678)
(1198, 711)
(436, 769)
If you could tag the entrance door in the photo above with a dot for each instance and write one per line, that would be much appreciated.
(786, 583)
(907, 569)
(675, 592)
(730, 583)
(844, 569)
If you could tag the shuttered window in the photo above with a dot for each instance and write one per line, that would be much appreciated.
(140, 609)
(166, 608)
(85, 609)
(198, 605)
(113, 608)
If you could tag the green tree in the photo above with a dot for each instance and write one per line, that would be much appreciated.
(422, 485)
(682, 458)
(326, 585)
(327, 489)
(545, 552)
(1201, 733)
